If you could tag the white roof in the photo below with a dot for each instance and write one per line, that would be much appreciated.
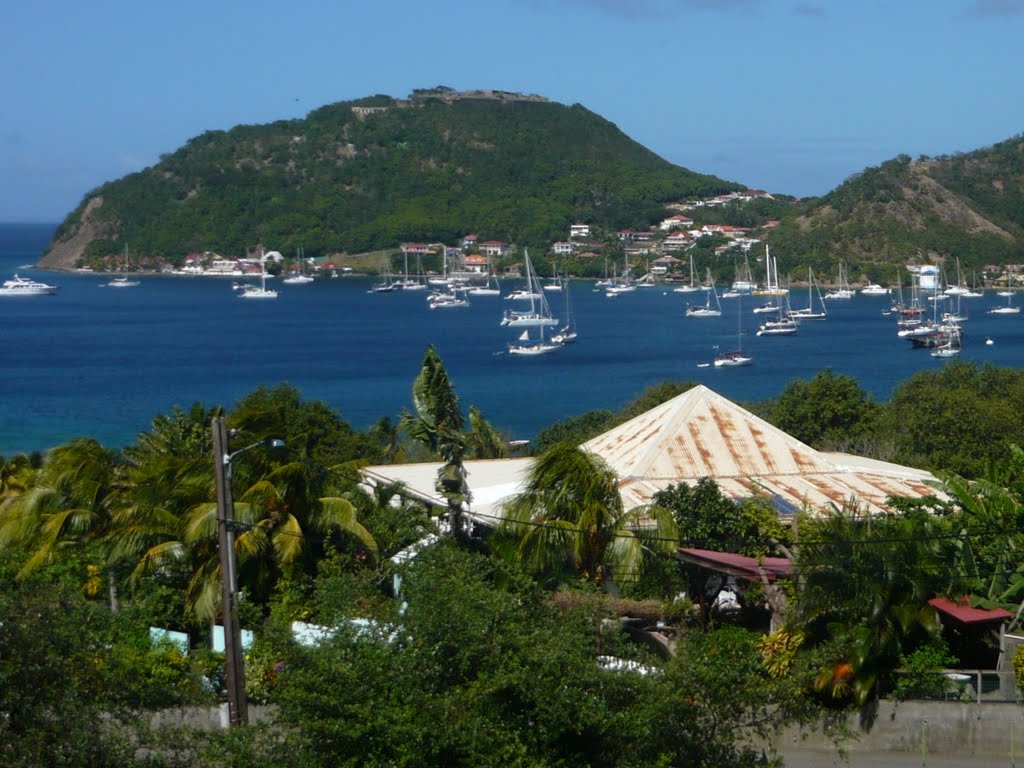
(694, 435)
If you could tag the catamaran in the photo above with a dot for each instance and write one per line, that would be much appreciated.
(259, 292)
(843, 291)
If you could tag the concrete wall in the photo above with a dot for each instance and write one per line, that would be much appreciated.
(947, 728)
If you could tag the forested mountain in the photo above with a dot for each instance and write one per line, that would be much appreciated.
(371, 173)
(968, 206)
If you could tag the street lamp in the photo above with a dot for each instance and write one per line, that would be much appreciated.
(234, 671)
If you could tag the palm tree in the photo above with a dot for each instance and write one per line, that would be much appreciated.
(571, 513)
(483, 439)
(287, 513)
(437, 424)
(71, 502)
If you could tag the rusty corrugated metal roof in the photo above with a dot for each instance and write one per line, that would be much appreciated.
(702, 434)
(695, 435)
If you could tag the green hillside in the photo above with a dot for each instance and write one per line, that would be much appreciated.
(351, 178)
(968, 206)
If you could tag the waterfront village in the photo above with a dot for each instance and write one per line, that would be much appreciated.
(663, 253)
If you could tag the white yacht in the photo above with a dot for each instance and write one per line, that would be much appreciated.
(874, 289)
(23, 286)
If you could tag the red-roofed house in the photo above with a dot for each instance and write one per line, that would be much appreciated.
(675, 222)
(468, 241)
(474, 262)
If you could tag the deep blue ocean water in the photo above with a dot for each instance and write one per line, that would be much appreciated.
(101, 362)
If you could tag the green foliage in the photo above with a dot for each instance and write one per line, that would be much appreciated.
(514, 680)
(572, 429)
(338, 182)
(569, 518)
(437, 424)
(960, 418)
(921, 674)
(72, 675)
(905, 208)
(1018, 666)
(829, 412)
(861, 594)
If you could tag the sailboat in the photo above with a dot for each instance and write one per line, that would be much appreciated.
(1009, 309)
(950, 349)
(784, 325)
(262, 292)
(539, 312)
(567, 333)
(416, 283)
(450, 299)
(554, 283)
(843, 291)
(123, 281)
(692, 287)
(735, 358)
(743, 283)
(527, 346)
(489, 288)
(808, 313)
(621, 285)
(957, 289)
(771, 288)
(300, 277)
(707, 310)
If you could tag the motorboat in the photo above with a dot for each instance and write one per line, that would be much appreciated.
(874, 289)
(23, 286)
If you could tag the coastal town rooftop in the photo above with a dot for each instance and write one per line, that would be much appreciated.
(694, 435)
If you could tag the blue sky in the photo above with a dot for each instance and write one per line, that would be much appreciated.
(787, 96)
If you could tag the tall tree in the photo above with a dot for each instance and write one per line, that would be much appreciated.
(437, 424)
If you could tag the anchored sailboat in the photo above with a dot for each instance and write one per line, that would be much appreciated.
(707, 310)
(539, 313)
(735, 358)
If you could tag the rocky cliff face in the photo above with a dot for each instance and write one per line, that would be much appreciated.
(67, 248)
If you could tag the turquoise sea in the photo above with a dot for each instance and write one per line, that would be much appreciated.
(101, 362)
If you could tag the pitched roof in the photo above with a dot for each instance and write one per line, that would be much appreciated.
(694, 435)
(741, 566)
(961, 610)
(702, 434)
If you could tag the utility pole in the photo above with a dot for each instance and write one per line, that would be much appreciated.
(238, 708)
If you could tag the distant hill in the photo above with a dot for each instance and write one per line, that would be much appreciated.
(372, 173)
(931, 210)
